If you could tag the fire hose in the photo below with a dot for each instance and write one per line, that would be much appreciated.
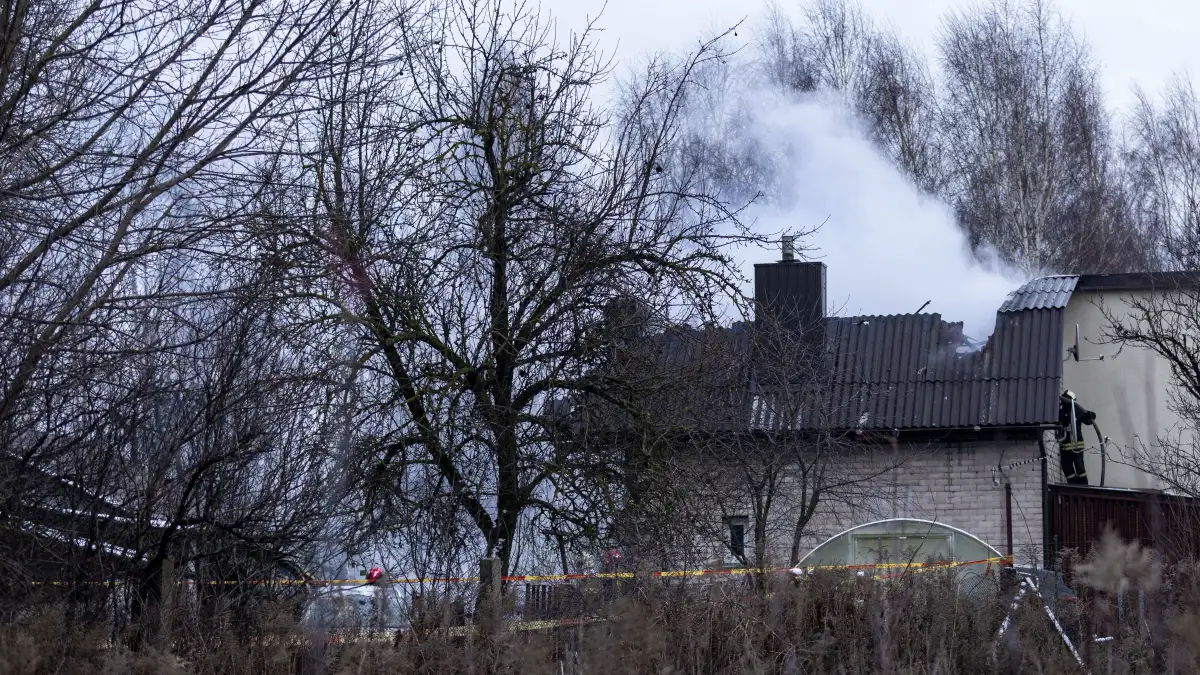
(1103, 451)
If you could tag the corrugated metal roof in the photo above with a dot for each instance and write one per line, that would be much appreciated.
(1044, 293)
(906, 371)
(688, 378)
(914, 371)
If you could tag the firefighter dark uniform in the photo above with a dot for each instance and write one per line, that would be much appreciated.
(1071, 418)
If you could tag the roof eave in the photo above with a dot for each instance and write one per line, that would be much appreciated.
(1021, 432)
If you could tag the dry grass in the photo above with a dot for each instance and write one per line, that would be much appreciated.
(822, 624)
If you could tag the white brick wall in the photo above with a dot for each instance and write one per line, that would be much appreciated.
(950, 484)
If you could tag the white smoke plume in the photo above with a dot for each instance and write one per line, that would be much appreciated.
(888, 247)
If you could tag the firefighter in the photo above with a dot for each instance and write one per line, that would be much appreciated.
(1071, 418)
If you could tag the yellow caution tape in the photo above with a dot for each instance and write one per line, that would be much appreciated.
(1002, 560)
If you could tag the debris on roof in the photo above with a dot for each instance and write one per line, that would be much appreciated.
(910, 371)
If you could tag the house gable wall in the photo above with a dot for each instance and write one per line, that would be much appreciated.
(1129, 390)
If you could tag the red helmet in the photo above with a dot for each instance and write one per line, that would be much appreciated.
(374, 575)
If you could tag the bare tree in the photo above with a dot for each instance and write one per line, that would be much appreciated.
(151, 408)
(830, 49)
(1026, 140)
(95, 155)
(896, 99)
(836, 48)
(1012, 130)
(229, 464)
(466, 213)
(795, 463)
(98, 160)
(1164, 167)
(1095, 228)
(718, 142)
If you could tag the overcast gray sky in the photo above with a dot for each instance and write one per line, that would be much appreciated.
(888, 247)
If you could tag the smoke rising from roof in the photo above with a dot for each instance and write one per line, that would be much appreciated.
(888, 247)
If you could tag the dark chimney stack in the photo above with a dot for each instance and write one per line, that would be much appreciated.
(790, 292)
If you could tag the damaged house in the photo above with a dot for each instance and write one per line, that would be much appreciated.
(813, 424)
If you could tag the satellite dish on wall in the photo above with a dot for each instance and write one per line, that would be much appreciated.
(1074, 350)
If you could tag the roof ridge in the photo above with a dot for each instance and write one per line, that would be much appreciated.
(1047, 292)
(890, 316)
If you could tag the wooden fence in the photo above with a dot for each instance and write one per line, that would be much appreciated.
(1079, 515)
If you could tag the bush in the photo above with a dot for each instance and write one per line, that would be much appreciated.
(826, 623)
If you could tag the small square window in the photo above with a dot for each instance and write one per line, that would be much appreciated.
(737, 535)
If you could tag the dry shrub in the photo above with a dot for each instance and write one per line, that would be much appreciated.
(1182, 588)
(825, 623)
(1152, 611)
(1116, 566)
(50, 643)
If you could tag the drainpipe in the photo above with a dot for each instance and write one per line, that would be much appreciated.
(1008, 517)
(1046, 559)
